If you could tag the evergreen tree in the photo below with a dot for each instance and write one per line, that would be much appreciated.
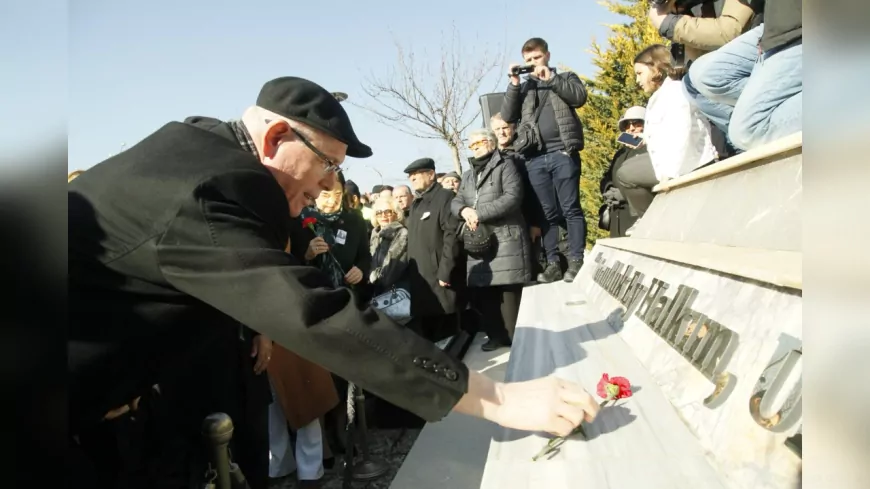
(611, 92)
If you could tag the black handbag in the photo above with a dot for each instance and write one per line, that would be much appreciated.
(478, 242)
(528, 134)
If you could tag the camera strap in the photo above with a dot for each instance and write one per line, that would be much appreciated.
(543, 102)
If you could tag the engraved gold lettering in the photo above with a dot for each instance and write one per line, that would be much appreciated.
(656, 289)
(771, 385)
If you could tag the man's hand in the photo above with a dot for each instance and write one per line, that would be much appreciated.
(262, 350)
(543, 73)
(534, 232)
(443, 284)
(354, 276)
(548, 404)
(317, 246)
(515, 79)
(471, 219)
(657, 14)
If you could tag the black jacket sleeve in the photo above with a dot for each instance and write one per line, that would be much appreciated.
(460, 202)
(449, 227)
(220, 250)
(509, 201)
(512, 104)
(569, 88)
(607, 178)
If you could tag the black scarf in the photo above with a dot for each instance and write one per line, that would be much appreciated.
(479, 163)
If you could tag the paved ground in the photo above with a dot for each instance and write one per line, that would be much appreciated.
(388, 445)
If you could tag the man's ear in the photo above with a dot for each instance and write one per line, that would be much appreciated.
(275, 131)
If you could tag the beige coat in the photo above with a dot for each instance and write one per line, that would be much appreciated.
(304, 390)
(704, 34)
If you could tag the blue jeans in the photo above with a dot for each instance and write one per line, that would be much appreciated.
(753, 99)
(555, 177)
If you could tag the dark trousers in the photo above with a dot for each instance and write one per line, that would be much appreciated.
(499, 306)
(635, 179)
(555, 178)
(435, 328)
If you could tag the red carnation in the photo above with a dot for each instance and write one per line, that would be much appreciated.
(309, 222)
(613, 387)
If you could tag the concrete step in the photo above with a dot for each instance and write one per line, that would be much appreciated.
(751, 200)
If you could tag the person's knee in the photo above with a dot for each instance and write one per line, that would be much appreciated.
(704, 77)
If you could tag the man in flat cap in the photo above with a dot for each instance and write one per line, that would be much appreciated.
(433, 252)
(182, 238)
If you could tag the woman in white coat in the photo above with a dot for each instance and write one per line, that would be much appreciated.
(677, 136)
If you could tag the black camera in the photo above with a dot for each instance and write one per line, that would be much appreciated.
(522, 70)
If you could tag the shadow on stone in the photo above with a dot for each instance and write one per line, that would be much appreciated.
(563, 348)
(609, 419)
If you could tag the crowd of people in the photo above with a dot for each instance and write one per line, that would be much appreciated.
(230, 267)
(735, 84)
(193, 289)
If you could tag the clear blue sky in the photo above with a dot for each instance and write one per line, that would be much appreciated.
(133, 66)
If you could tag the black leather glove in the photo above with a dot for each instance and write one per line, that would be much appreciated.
(612, 196)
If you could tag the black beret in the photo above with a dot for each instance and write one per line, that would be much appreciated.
(421, 165)
(377, 189)
(301, 100)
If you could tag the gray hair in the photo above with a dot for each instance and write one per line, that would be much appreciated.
(483, 133)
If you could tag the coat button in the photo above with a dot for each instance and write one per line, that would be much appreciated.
(420, 361)
(451, 375)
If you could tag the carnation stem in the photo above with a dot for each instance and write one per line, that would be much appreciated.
(555, 442)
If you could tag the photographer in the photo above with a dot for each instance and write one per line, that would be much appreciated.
(752, 88)
(703, 25)
(625, 187)
(550, 135)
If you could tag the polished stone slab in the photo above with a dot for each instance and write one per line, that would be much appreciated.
(756, 207)
(766, 322)
(641, 442)
(775, 267)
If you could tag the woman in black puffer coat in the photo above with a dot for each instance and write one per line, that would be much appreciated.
(491, 195)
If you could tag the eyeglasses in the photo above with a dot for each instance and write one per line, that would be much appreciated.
(386, 212)
(477, 144)
(331, 166)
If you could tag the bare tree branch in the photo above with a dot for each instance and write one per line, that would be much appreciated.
(411, 98)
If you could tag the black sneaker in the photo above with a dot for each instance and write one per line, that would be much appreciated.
(552, 273)
(574, 267)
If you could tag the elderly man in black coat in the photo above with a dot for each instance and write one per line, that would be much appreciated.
(433, 254)
(184, 235)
